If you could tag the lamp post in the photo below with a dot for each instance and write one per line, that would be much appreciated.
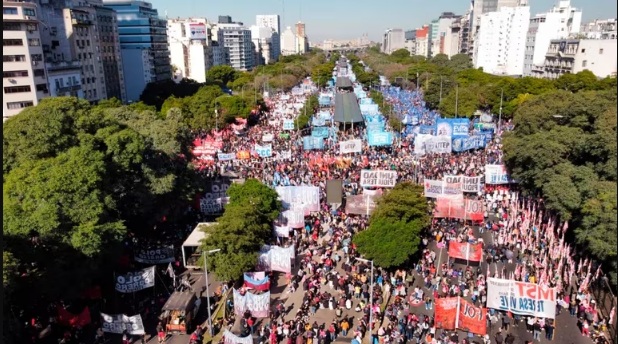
(370, 299)
(217, 117)
(205, 253)
(500, 113)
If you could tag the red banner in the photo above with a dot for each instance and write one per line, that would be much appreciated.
(465, 251)
(459, 208)
(71, 320)
(446, 313)
(472, 319)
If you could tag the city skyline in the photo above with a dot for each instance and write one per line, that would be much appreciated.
(328, 20)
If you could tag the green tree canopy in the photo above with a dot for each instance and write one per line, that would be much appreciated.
(393, 236)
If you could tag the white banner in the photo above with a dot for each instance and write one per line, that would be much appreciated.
(300, 197)
(378, 178)
(158, 255)
(351, 146)
(135, 281)
(268, 137)
(521, 298)
(467, 184)
(440, 188)
(496, 174)
(424, 144)
(230, 338)
(119, 323)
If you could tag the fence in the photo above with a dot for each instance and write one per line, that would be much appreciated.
(606, 303)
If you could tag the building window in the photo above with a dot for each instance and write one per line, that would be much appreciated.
(31, 27)
(42, 88)
(36, 57)
(18, 105)
(9, 10)
(29, 12)
(13, 58)
(12, 42)
(34, 42)
(601, 51)
(39, 72)
(17, 89)
(11, 26)
(15, 74)
(583, 51)
(584, 63)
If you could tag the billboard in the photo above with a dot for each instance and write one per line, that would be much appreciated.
(197, 31)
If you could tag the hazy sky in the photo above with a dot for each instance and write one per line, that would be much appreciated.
(347, 19)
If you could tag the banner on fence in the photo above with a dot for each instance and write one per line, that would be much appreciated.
(521, 298)
(230, 338)
(452, 127)
(351, 146)
(440, 188)
(378, 178)
(216, 198)
(258, 304)
(264, 151)
(320, 132)
(379, 138)
(226, 156)
(461, 144)
(472, 319)
(159, 255)
(459, 208)
(465, 251)
(120, 323)
(310, 143)
(300, 197)
(497, 174)
(136, 280)
(257, 280)
(467, 184)
(446, 313)
(288, 124)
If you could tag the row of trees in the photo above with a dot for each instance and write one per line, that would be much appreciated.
(242, 230)
(76, 179)
(564, 149)
(395, 227)
(364, 76)
(456, 89)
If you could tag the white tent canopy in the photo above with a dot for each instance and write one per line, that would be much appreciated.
(193, 241)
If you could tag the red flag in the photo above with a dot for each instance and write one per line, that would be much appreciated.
(446, 312)
(67, 319)
(472, 319)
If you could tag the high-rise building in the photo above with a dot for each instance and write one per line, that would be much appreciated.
(273, 22)
(561, 21)
(143, 45)
(394, 39)
(479, 7)
(599, 29)
(571, 56)
(410, 43)
(24, 80)
(265, 39)
(501, 43)
(225, 20)
(288, 42)
(422, 41)
(190, 44)
(109, 46)
(441, 36)
(236, 40)
(300, 29)
(269, 20)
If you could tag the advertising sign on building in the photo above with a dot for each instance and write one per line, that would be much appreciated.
(197, 31)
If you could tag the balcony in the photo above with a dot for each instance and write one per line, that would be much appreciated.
(66, 89)
(63, 65)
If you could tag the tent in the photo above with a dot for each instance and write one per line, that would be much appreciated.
(347, 109)
(344, 82)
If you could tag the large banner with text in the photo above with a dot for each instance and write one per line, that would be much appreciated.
(459, 208)
(497, 174)
(378, 178)
(465, 251)
(300, 197)
(521, 298)
(456, 312)
(453, 127)
(157, 255)
(466, 184)
(215, 198)
(440, 188)
(120, 323)
(136, 280)
(350, 146)
(257, 304)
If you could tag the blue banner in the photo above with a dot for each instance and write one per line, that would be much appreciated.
(366, 101)
(318, 122)
(453, 127)
(310, 143)
(325, 115)
(265, 151)
(375, 126)
(226, 156)
(427, 129)
(380, 138)
(466, 143)
(320, 132)
(288, 124)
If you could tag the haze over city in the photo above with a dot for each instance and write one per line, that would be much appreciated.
(350, 19)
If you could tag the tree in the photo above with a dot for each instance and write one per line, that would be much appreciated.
(222, 75)
(459, 62)
(394, 229)
(582, 81)
(322, 74)
(155, 93)
(244, 227)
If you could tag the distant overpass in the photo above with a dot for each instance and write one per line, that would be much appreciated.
(345, 50)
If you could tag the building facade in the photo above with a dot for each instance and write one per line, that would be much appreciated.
(273, 22)
(190, 45)
(599, 29)
(442, 35)
(264, 39)
(562, 21)
(236, 41)
(394, 39)
(575, 55)
(109, 45)
(143, 45)
(288, 42)
(480, 7)
(500, 47)
(422, 41)
(24, 80)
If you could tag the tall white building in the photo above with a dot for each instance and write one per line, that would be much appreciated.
(478, 8)
(24, 80)
(236, 41)
(288, 42)
(562, 21)
(273, 22)
(265, 39)
(500, 47)
(599, 29)
(394, 39)
(442, 36)
(190, 46)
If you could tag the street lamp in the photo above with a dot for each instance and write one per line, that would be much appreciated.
(217, 117)
(205, 253)
(370, 299)
(500, 113)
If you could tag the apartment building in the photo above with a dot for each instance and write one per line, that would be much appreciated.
(109, 48)
(442, 36)
(24, 80)
(560, 22)
(190, 45)
(599, 29)
(575, 55)
(236, 41)
(423, 41)
(480, 7)
(500, 46)
(394, 39)
(265, 41)
(288, 42)
(143, 45)
(272, 21)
